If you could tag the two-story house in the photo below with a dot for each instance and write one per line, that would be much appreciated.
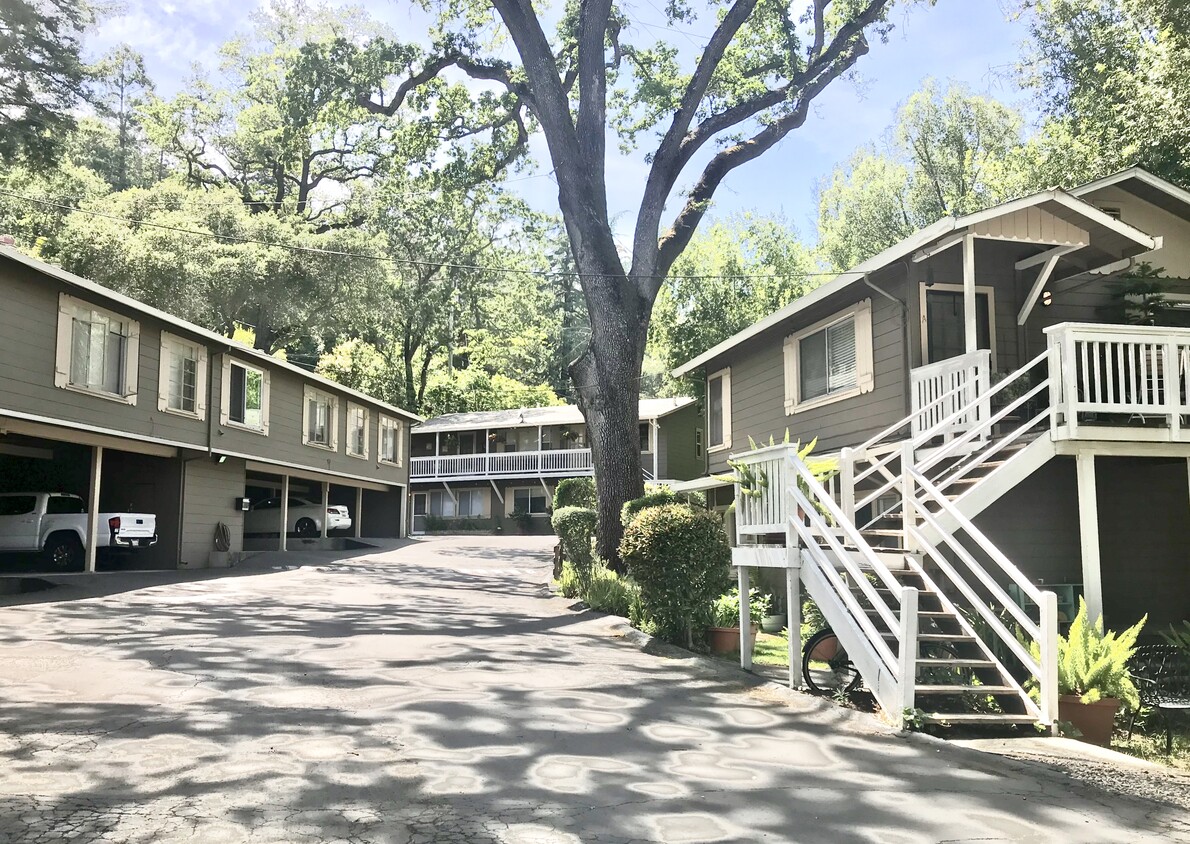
(482, 470)
(1005, 439)
(134, 409)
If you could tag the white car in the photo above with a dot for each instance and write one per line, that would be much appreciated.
(305, 517)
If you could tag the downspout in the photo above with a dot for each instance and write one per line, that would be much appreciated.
(907, 360)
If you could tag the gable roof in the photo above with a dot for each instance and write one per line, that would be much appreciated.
(531, 417)
(1144, 185)
(239, 349)
(1056, 201)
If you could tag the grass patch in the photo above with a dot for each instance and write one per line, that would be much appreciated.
(771, 649)
(1151, 746)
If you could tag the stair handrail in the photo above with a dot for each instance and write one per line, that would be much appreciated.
(1044, 632)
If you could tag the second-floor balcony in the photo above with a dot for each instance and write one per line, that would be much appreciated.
(556, 463)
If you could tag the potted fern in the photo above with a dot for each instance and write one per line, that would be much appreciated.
(723, 634)
(1093, 677)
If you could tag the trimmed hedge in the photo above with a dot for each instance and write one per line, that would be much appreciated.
(575, 526)
(681, 560)
(659, 497)
(575, 492)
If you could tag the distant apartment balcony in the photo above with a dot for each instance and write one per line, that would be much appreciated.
(558, 463)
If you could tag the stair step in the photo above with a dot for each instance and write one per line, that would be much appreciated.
(958, 690)
(976, 718)
(881, 532)
(955, 662)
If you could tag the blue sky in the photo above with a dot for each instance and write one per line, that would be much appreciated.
(972, 41)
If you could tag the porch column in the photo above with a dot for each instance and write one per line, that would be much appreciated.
(793, 611)
(326, 501)
(359, 510)
(93, 508)
(284, 512)
(656, 430)
(745, 620)
(1088, 526)
(971, 331)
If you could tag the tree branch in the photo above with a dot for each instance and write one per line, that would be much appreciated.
(591, 123)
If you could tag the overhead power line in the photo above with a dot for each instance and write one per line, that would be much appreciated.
(340, 253)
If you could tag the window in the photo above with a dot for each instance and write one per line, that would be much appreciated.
(321, 427)
(390, 441)
(466, 503)
(17, 505)
(64, 505)
(830, 360)
(1112, 211)
(357, 430)
(646, 430)
(98, 351)
(245, 395)
(698, 442)
(182, 376)
(470, 502)
(719, 409)
(531, 500)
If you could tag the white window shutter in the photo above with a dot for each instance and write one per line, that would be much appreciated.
(865, 367)
(201, 382)
(264, 402)
(132, 362)
(225, 392)
(791, 374)
(65, 337)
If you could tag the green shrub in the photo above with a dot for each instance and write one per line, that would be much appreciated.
(575, 526)
(608, 592)
(1093, 664)
(659, 496)
(575, 492)
(1177, 636)
(567, 585)
(725, 610)
(681, 560)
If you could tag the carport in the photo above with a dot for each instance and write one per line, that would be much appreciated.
(109, 473)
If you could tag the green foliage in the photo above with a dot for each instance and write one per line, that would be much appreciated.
(607, 592)
(569, 584)
(812, 618)
(523, 519)
(680, 558)
(659, 496)
(470, 390)
(725, 610)
(575, 526)
(1093, 664)
(1141, 298)
(1178, 636)
(574, 492)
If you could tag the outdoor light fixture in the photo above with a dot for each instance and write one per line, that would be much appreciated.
(220, 458)
(1047, 299)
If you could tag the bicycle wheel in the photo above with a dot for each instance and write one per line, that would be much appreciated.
(825, 666)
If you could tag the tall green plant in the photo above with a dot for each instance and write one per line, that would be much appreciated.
(1093, 664)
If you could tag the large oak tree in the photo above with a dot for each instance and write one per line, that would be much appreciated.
(752, 83)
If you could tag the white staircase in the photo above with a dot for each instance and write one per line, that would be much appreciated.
(916, 593)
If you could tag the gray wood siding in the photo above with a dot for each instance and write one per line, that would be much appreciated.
(758, 380)
(28, 344)
(210, 489)
(286, 414)
(679, 459)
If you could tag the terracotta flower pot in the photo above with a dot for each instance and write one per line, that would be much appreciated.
(724, 640)
(1093, 720)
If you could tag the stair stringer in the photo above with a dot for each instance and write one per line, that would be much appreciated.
(996, 484)
(878, 676)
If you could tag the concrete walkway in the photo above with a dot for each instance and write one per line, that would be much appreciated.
(436, 693)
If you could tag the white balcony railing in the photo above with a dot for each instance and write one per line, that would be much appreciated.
(1119, 375)
(572, 461)
(940, 389)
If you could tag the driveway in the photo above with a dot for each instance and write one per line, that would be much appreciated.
(436, 693)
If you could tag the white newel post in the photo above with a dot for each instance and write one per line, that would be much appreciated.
(93, 508)
(908, 512)
(1049, 659)
(745, 619)
(1171, 376)
(793, 607)
(907, 656)
(1088, 529)
(847, 482)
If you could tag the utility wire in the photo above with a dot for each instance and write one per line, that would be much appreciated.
(338, 253)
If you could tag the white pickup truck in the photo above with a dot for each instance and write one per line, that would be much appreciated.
(55, 524)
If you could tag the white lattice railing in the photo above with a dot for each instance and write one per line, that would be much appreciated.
(556, 462)
(1129, 372)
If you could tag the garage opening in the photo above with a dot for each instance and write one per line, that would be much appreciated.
(130, 483)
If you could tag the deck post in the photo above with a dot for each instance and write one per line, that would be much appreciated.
(1049, 659)
(284, 512)
(745, 619)
(92, 550)
(793, 608)
(970, 332)
(847, 483)
(1088, 528)
(359, 510)
(326, 501)
(907, 651)
(908, 512)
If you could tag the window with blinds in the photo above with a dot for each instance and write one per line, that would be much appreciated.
(828, 360)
